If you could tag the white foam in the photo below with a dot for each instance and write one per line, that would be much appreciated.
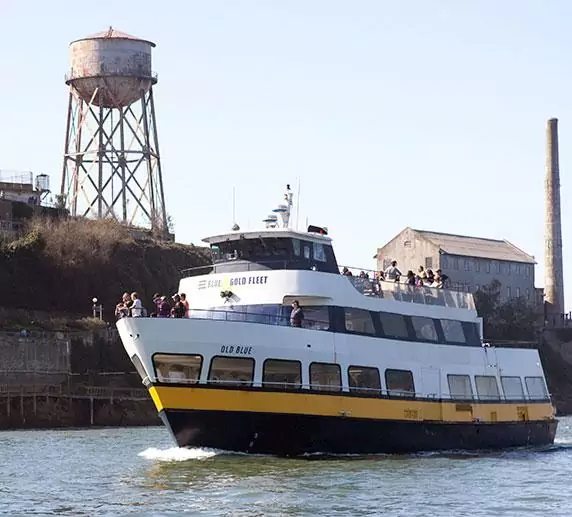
(178, 454)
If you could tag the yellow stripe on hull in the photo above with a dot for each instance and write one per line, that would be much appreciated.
(300, 403)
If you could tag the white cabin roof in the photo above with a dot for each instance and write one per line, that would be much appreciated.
(268, 233)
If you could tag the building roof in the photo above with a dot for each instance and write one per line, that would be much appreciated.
(477, 247)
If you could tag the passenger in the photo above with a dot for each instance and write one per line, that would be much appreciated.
(178, 310)
(122, 308)
(156, 303)
(164, 310)
(346, 272)
(136, 307)
(422, 274)
(440, 279)
(392, 273)
(297, 315)
(430, 277)
(410, 279)
(185, 302)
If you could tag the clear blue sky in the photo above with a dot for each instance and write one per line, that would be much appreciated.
(428, 114)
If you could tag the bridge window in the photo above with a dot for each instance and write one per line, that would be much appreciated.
(536, 388)
(400, 383)
(177, 368)
(364, 379)
(232, 371)
(460, 387)
(325, 377)
(282, 374)
(319, 253)
(316, 317)
(487, 387)
(424, 328)
(359, 321)
(472, 336)
(453, 331)
(393, 325)
(296, 247)
(512, 387)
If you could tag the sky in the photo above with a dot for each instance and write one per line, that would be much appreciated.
(428, 114)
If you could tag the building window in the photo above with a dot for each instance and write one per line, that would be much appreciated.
(460, 387)
(359, 321)
(487, 387)
(393, 325)
(455, 262)
(428, 262)
(424, 328)
(281, 374)
(527, 271)
(477, 287)
(508, 292)
(509, 267)
(488, 266)
(536, 388)
(316, 317)
(467, 265)
(453, 331)
(477, 265)
(407, 244)
(386, 263)
(527, 294)
(512, 387)
(234, 371)
(444, 262)
(178, 368)
(518, 269)
(517, 292)
(364, 379)
(399, 383)
(498, 267)
(325, 377)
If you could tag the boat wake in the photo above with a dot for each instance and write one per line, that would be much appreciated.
(179, 454)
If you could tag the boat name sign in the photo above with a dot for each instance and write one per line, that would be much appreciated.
(236, 349)
(233, 281)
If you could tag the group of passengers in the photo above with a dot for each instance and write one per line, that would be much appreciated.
(423, 277)
(131, 306)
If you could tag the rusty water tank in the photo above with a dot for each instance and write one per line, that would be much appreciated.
(111, 69)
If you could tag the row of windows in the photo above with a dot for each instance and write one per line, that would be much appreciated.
(287, 375)
(355, 321)
(487, 266)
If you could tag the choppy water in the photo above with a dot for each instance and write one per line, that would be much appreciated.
(138, 472)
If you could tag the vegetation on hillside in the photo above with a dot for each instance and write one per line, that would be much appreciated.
(60, 265)
(513, 320)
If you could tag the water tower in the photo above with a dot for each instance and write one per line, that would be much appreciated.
(112, 167)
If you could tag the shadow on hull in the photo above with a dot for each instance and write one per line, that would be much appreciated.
(296, 435)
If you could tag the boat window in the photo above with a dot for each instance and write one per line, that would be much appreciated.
(424, 328)
(453, 331)
(261, 249)
(487, 387)
(306, 250)
(394, 325)
(234, 371)
(400, 383)
(319, 253)
(359, 321)
(296, 247)
(460, 387)
(316, 317)
(536, 388)
(472, 336)
(364, 379)
(177, 368)
(325, 377)
(282, 374)
(512, 387)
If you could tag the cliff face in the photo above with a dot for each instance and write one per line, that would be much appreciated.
(59, 266)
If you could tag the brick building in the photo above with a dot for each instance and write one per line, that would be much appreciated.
(469, 262)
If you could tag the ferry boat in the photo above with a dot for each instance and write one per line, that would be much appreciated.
(373, 366)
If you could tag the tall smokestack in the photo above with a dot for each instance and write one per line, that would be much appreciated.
(553, 274)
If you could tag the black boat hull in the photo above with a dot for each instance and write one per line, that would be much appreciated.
(294, 435)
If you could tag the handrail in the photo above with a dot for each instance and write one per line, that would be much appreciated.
(254, 317)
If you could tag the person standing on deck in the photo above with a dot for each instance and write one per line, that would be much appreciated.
(392, 273)
(297, 315)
